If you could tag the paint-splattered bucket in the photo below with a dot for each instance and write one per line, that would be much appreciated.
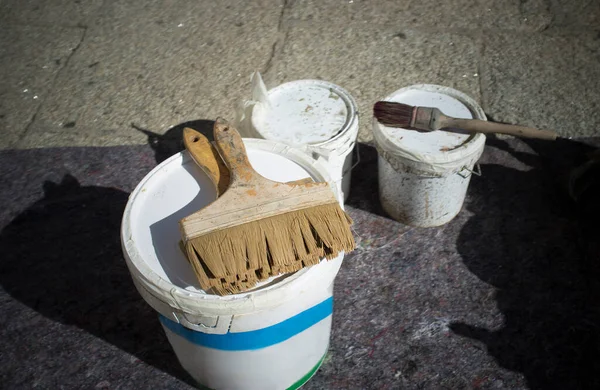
(272, 337)
(316, 116)
(424, 176)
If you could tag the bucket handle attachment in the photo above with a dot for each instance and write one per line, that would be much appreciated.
(476, 171)
(357, 161)
(221, 326)
(222, 323)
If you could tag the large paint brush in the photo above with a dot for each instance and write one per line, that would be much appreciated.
(258, 227)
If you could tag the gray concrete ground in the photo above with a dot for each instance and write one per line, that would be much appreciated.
(80, 73)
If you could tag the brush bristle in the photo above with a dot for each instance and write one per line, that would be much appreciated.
(393, 114)
(235, 259)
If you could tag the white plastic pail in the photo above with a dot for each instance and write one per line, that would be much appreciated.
(424, 176)
(272, 337)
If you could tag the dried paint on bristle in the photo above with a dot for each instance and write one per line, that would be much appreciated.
(235, 259)
(393, 114)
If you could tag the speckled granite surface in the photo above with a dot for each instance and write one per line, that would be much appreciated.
(504, 296)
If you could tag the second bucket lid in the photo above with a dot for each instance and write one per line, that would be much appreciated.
(304, 112)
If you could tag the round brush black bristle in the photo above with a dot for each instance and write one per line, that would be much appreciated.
(393, 114)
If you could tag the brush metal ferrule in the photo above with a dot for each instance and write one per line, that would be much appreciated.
(427, 118)
(422, 118)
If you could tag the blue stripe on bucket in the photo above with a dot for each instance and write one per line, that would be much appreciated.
(255, 339)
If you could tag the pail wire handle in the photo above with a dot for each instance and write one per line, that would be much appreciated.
(476, 171)
(353, 165)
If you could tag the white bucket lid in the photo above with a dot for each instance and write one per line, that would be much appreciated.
(176, 188)
(307, 112)
(436, 152)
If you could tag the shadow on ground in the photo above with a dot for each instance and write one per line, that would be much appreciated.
(364, 189)
(62, 257)
(539, 252)
(171, 142)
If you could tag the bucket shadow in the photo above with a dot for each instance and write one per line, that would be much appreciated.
(364, 192)
(171, 142)
(530, 241)
(62, 257)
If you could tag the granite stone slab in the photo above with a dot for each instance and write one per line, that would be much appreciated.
(155, 64)
(526, 15)
(65, 13)
(546, 81)
(31, 58)
(575, 14)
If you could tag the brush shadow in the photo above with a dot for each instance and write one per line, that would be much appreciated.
(166, 234)
(528, 239)
(171, 142)
(62, 257)
(364, 192)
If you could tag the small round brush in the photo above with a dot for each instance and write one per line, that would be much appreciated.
(393, 114)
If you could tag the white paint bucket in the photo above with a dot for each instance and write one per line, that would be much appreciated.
(424, 176)
(312, 115)
(272, 337)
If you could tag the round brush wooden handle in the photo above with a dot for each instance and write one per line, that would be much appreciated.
(207, 158)
(232, 150)
(480, 126)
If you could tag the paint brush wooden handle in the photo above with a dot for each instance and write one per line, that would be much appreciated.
(480, 126)
(207, 158)
(233, 151)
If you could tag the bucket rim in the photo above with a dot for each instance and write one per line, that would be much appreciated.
(191, 301)
(348, 132)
